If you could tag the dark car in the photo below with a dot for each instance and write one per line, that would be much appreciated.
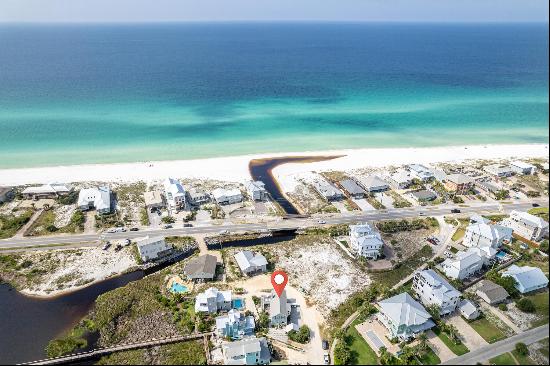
(325, 344)
(186, 224)
(455, 210)
(134, 229)
(536, 205)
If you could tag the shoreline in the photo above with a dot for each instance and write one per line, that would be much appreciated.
(236, 168)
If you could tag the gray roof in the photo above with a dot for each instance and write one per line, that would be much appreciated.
(441, 288)
(204, 264)
(494, 292)
(424, 195)
(246, 259)
(245, 346)
(4, 190)
(459, 179)
(373, 181)
(351, 186)
(526, 276)
(402, 309)
(467, 307)
(489, 186)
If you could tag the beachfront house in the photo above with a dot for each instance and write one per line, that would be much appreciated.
(197, 197)
(468, 310)
(202, 268)
(6, 194)
(153, 200)
(484, 234)
(52, 190)
(520, 167)
(527, 226)
(227, 196)
(491, 293)
(465, 264)
(256, 191)
(374, 183)
(498, 170)
(528, 279)
(235, 325)
(489, 188)
(174, 192)
(458, 183)
(326, 189)
(404, 317)
(421, 172)
(365, 241)
(251, 263)
(248, 351)
(422, 196)
(432, 289)
(95, 198)
(212, 300)
(277, 307)
(401, 179)
(353, 189)
(152, 248)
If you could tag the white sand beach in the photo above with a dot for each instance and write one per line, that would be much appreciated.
(236, 168)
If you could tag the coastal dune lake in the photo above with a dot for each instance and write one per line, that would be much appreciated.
(103, 93)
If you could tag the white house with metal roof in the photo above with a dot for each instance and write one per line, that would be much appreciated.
(527, 278)
(326, 189)
(465, 264)
(404, 317)
(235, 325)
(95, 198)
(432, 289)
(421, 172)
(212, 300)
(521, 167)
(175, 194)
(248, 351)
(256, 190)
(500, 171)
(277, 307)
(483, 234)
(401, 179)
(365, 241)
(250, 262)
(224, 196)
(51, 190)
(152, 248)
(528, 226)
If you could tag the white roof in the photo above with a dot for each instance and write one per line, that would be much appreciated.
(492, 232)
(522, 165)
(152, 198)
(465, 259)
(100, 196)
(402, 309)
(148, 240)
(529, 219)
(222, 192)
(254, 186)
(526, 276)
(174, 187)
(246, 259)
(47, 188)
(373, 181)
(402, 176)
(440, 288)
(459, 178)
(242, 347)
(467, 307)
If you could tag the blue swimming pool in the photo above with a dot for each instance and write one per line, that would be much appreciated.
(178, 288)
(238, 303)
(501, 255)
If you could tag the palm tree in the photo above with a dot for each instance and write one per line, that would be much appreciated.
(452, 331)
(423, 342)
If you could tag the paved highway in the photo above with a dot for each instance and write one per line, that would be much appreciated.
(344, 218)
(486, 353)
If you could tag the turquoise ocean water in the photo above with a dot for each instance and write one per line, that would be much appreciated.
(72, 94)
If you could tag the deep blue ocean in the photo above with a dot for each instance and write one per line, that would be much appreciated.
(92, 93)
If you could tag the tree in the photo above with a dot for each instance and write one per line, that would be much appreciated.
(544, 246)
(502, 194)
(386, 358)
(452, 331)
(168, 220)
(423, 343)
(526, 305)
(342, 354)
(435, 311)
(521, 348)
(300, 336)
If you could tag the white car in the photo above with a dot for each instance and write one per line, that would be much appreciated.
(106, 246)
(326, 358)
(224, 232)
(322, 222)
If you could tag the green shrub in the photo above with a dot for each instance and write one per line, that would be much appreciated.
(526, 305)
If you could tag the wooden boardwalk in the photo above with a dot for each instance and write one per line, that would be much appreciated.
(121, 347)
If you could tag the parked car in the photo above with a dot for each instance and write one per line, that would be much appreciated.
(322, 222)
(186, 224)
(224, 232)
(326, 358)
(455, 210)
(168, 226)
(325, 344)
(127, 242)
(106, 246)
(118, 248)
(536, 205)
(134, 229)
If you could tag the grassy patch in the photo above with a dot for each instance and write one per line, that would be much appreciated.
(487, 330)
(457, 349)
(10, 224)
(44, 224)
(541, 212)
(459, 234)
(523, 360)
(362, 353)
(504, 359)
(541, 307)
(75, 339)
(429, 358)
(391, 278)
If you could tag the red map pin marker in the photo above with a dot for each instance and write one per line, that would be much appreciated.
(279, 279)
